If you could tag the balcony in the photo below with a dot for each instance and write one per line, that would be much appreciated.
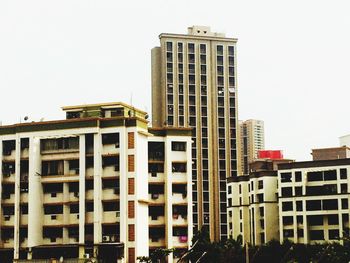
(74, 219)
(180, 241)
(110, 194)
(156, 177)
(180, 220)
(110, 171)
(73, 240)
(24, 220)
(9, 176)
(8, 243)
(156, 198)
(53, 220)
(89, 195)
(156, 242)
(74, 196)
(9, 155)
(53, 240)
(179, 198)
(25, 153)
(7, 220)
(89, 172)
(24, 243)
(110, 217)
(52, 198)
(89, 217)
(110, 149)
(155, 220)
(179, 178)
(8, 198)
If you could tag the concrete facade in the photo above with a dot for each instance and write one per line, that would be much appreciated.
(253, 203)
(78, 188)
(314, 201)
(194, 85)
(251, 140)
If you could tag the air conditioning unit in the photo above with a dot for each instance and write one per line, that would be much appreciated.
(154, 174)
(116, 191)
(116, 168)
(53, 217)
(7, 217)
(86, 256)
(117, 214)
(106, 238)
(76, 194)
(7, 174)
(117, 145)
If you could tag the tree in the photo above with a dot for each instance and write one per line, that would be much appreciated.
(157, 255)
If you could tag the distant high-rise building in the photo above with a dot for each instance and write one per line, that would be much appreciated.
(252, 139)
(194, 85)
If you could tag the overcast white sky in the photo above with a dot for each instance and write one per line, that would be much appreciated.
(293, 59)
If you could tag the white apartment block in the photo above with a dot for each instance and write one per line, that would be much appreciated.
(251, 140)
(314, 201)
(79, 187)
(253, 203)
(170, 189)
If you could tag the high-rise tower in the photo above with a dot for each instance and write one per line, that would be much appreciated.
(194, 85)
(252, 139)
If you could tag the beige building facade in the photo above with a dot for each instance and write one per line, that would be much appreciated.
(251, 140)
(80, 188)
(194, 85)
(314, 201)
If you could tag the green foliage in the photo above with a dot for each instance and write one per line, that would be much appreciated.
(204, 251)
(156, 256)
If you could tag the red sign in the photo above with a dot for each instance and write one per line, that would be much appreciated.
(270, 154)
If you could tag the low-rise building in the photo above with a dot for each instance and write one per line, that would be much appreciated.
(253, 203)
(314, 201)
(81, 187)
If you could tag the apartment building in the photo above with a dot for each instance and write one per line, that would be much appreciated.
(78, 188)
(251, 140)
(314, 200)
(332, 153)
(194, 85)
(170, 190)
(253, 203)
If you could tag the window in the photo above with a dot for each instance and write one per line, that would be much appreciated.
(260, 184)
(314, 176)
(288, 233)
(343, 173)
(315, 220)
(316, 235)
(286, 177)
(287, 206)
(299, 205)
(178, 146)
(287, 192)
(344, 188)
(287, 220)
(330, 175)
(298, 190)
(298, 176)
(313, 205)
(344, 204)
(333, 234)
(179, 167)
(333, 220)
